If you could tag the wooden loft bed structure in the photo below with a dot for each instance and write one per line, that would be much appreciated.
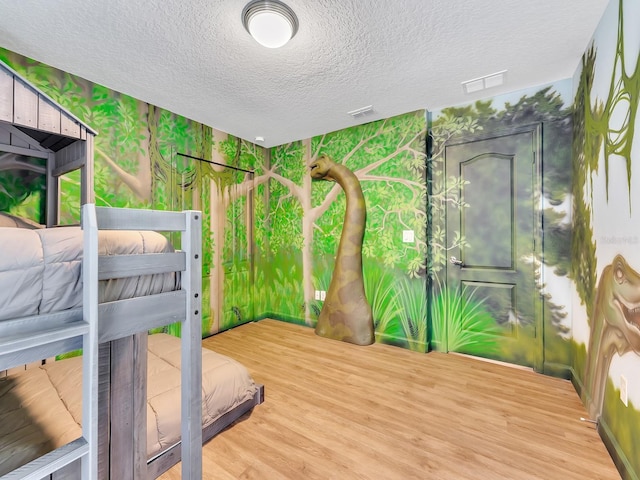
(34, 125)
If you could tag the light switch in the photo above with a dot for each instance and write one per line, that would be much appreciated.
(408, 236)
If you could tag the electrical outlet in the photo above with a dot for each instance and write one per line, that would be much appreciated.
(317, 294)
(623, 389)
(323, 295)
(408, 236)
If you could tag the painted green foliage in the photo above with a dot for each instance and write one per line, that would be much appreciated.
(586, 146)
(226, 197)
(595, 132)
(136, 155)
(388, 157)
(238, 248)
(22, 192)
(127, 163)
(604, 129)
(461, 323)
(547, 107)
(623, 421)
(280, 254)
(305, 222)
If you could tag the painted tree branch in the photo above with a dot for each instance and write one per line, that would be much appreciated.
(131, 181)
(317, 212)
(403, 181)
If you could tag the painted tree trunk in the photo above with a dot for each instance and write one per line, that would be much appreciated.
(307, 234)
(216, 286)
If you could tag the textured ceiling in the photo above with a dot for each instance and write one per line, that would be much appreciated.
(194, 57)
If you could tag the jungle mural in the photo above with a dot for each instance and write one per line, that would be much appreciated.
(22, 187)
(140, 162)
(305, 223)
(221, 183)
(467, 319)
(605, 252)
(615, 326)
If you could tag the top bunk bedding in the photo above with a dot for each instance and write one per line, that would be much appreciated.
(41, 268)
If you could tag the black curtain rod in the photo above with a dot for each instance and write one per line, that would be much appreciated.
(252, 172)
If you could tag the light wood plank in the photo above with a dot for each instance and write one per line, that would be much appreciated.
(121, 454)
(149, 312)
(8, 360)
(25, 107)
(69, 126)
(51, 462)
(336, 410)
(132, 219)
(48, 116)
(123, 266)
(190, 351)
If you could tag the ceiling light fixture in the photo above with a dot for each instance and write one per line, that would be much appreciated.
(270, 22)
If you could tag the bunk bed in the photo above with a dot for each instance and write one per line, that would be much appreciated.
(106, 310)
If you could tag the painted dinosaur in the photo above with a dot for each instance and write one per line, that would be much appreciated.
(614, 328)
(346, 314)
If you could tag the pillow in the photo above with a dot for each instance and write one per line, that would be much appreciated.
(7, 220)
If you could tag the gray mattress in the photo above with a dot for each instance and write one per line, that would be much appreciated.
(41, 408)
(41, 269)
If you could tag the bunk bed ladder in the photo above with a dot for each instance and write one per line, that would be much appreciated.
(129, 320)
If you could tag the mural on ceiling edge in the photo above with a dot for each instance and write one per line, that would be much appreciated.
(305, 224)
(605, 244)
(477, 324)
(137, 165)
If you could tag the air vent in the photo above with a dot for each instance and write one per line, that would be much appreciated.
(481, 83)
(361, 112)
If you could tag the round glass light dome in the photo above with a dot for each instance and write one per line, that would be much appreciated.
(271, 23)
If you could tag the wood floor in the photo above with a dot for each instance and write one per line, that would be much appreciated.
(338, 411)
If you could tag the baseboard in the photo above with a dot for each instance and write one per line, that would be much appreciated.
(617, 455)
(557, 370)
(619, 458)
(575, 380)
(282, 317)
(401, 342)
(438, 346)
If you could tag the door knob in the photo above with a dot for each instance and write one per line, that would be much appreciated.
(457, 262)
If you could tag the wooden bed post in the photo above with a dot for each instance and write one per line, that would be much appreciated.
(128, 408)
(90, 343)
(124, 324)
(53, 197)
(87, 193)
(191, 370)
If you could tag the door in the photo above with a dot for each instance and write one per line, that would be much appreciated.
(492, 269)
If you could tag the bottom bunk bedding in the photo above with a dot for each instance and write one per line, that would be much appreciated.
(41, 408)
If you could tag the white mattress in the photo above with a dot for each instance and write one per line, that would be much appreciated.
(41, 408)
(40, 269)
